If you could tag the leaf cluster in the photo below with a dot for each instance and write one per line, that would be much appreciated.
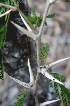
(36, 20)
(51, 15)
(64, 93)
(20, 100)
(44, 52)
(8, 2)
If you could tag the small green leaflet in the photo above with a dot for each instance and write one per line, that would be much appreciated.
(44, 52)
(51, 15)
(21, 99)
(64, 93)
(1, 66)
(34, 19)
(3, 36)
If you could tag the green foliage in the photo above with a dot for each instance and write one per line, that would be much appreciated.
(64, 93)
(44, 52)
(1, 67)
(51, 15)
(60, 78)
(34, 19)
(8, 2)
(2, 71)
(3, 36)
(21, 99)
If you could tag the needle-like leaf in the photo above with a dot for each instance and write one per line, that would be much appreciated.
(45, 73)
(9, 6)
(48, 102)
(7, 12)
(28, 27)
(27, 85)
(28, 33)
(31, 74)
(30, 24)
(58, 61)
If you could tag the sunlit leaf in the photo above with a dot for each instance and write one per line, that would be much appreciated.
(20, 99)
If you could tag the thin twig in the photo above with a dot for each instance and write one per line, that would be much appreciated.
(44, 18)
(38, 39)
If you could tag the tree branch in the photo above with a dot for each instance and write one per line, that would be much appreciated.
(38, 39)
